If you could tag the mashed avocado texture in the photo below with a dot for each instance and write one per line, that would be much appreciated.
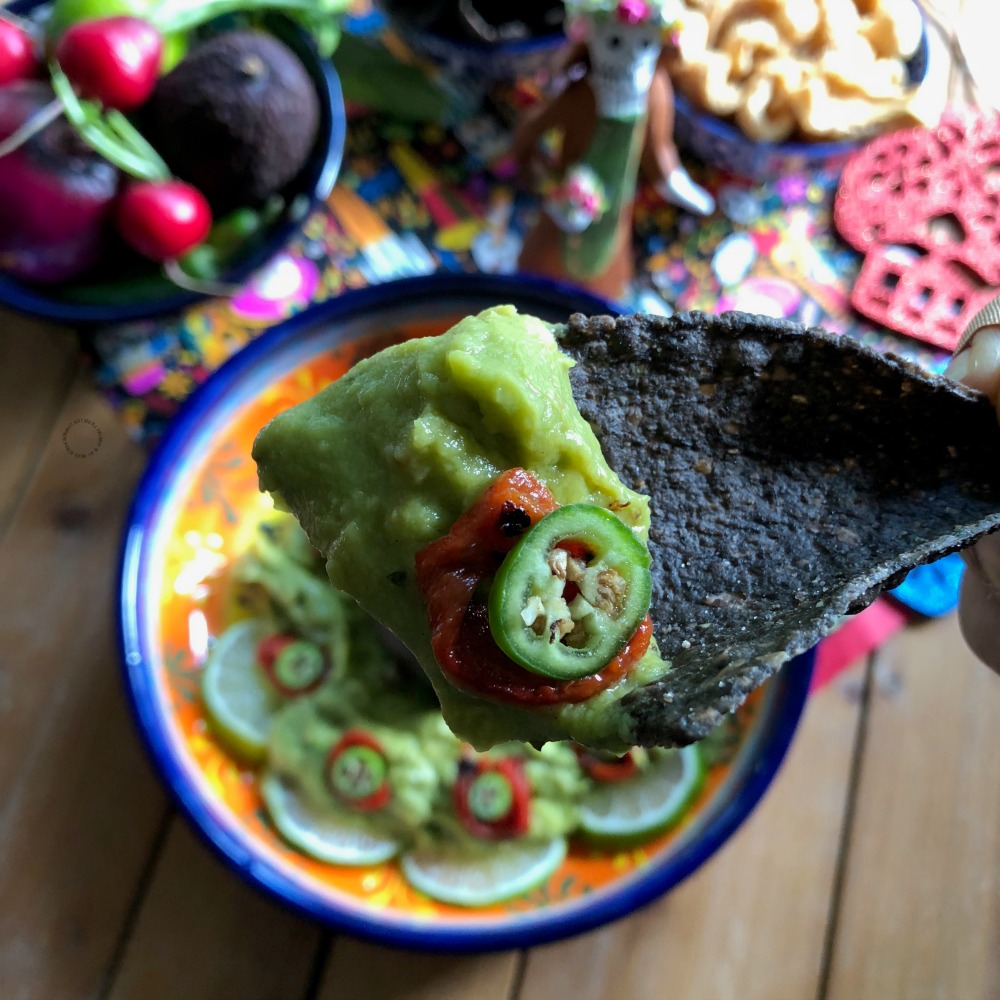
(387, 458)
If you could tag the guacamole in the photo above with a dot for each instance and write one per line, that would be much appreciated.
(370, 690)
(385, 460)
(421, 757)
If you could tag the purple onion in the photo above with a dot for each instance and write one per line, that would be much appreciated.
(56, 194)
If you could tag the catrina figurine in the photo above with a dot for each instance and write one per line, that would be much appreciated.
(614, 119)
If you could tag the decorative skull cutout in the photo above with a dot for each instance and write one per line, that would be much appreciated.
(623, 59)
(923, 205)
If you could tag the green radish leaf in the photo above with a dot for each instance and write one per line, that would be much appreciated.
(134, 139)
(130, 153)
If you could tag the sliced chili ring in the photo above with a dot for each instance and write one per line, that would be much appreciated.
(357, 772)
(563, 615)
(452, 575)
(293, 666)
(493, 798)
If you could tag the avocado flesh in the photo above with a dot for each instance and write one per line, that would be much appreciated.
(386, 459)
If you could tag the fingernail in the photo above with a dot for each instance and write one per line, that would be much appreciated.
(988, 316)
(958, 367)
(979, 366)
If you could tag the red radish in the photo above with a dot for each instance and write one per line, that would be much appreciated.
(17, 54)
(114, 60)
(163, 219)
(57, 195)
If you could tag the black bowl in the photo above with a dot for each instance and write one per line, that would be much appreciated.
(135, 289)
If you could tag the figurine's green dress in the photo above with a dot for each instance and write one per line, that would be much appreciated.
(613, 154)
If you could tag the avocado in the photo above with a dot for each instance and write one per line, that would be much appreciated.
(237, 118)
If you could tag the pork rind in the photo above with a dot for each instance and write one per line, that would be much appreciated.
(851, 79)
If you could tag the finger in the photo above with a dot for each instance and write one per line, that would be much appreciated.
(978, 614)
(987, 560)
(978, 366)
(989, 315)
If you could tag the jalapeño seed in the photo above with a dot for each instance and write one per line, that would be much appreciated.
(513, 520)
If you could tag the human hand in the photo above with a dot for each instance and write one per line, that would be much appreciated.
(978, 366)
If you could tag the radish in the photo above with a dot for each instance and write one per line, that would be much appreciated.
(56, 194)
(17, 54)
(114, 60)
(162, 220)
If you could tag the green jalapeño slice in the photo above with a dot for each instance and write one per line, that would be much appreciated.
(490, 797)
(493, 798)
(293, 666)
(357, 772)
(571, 593)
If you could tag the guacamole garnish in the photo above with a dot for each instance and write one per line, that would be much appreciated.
(454, 575)
(362, 768)
(385, 460)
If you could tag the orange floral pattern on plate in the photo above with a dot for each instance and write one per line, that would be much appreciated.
(207, 526)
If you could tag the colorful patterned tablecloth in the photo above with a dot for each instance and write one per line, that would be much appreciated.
(416, 197)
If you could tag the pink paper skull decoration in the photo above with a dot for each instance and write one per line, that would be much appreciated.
(923, 206)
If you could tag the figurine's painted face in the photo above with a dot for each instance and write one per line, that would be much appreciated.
(623, 59)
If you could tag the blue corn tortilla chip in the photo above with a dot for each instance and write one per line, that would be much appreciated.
(794, 476)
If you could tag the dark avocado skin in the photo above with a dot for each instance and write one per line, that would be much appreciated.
(237, 118)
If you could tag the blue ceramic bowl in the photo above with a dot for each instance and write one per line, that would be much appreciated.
(194, 459)
(721, 144)
(139, 291)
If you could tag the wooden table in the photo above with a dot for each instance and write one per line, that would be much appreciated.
(871, 871)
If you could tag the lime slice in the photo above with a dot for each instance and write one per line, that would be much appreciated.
(632, 811)
(485, 877)
(239, 702)
(325, 836)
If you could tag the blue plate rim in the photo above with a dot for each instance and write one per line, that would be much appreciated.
(31, 300)
(790, 697)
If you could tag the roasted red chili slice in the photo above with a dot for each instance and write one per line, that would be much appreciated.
(357, 772)
(451, 576)
(493, 798)
(619, 769)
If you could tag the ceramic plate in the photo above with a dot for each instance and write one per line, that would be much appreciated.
(192, 515)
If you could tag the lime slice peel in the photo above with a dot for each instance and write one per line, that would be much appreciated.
(327, 836)
(510, 869)
(631, 812)
(239, 703)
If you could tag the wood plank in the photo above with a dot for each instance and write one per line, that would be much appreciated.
(79, 806)
(361, 971)
(921, 905)
(36, 368)
(203, 934)
(752, 923)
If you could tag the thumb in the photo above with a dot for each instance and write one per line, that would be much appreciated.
(977, 364)
(979, 607)
(977, 357)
